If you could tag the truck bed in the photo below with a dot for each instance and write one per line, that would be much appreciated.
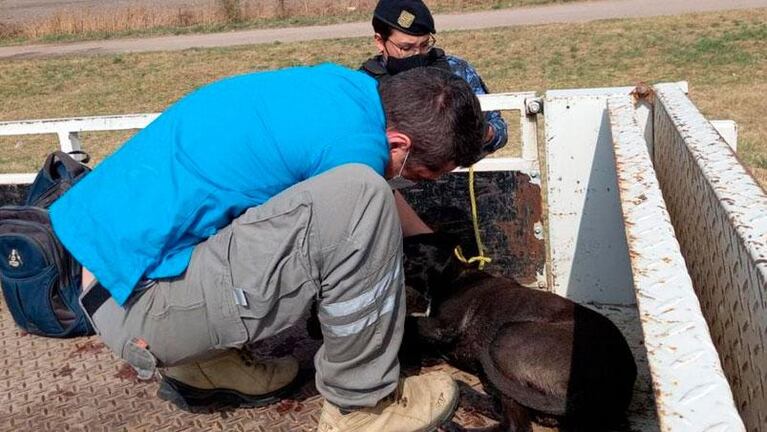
(79, 385)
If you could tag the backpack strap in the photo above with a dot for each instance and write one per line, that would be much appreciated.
(72, 168)
(59, 172)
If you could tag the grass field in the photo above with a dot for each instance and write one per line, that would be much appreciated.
(723, 56)
(217, 16)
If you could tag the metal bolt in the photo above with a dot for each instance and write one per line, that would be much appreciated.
(534, 106)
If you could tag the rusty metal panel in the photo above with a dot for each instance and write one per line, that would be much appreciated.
(720, 216)
(691, 392)
(510, 215)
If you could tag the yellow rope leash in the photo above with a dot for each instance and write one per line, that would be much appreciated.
(481, 258)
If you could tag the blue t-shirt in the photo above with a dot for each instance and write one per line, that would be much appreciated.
(213, 154)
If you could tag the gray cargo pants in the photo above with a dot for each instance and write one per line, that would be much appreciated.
(335, 237)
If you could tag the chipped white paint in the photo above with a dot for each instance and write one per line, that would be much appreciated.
(720, 216)
(588, 252)
(691, 392)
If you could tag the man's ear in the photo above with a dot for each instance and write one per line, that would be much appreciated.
(380, 42)
(398, 141)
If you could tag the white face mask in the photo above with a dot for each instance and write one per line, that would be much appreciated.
(399, 182)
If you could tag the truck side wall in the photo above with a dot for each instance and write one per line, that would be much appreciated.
(691, 392)
(720, 217)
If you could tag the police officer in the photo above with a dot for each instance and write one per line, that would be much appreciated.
(404, 35)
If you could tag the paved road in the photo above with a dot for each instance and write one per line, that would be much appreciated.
(559, 13)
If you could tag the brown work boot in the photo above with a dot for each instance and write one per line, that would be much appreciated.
(420, 403)
(233, 376)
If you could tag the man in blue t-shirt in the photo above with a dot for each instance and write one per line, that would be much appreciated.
(219, 223)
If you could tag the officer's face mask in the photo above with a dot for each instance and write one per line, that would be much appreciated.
(399, 182)
(396, 65)
(410, 55)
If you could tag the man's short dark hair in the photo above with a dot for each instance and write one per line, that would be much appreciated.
(439, 112)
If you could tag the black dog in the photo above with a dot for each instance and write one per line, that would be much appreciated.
(543, 357)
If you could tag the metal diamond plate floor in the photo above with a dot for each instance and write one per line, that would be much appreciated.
(78, 385)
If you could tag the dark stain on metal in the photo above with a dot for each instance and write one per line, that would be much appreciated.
(127, 373)
(65, 371)
(288, 405)
(61, 395)
(89, 347)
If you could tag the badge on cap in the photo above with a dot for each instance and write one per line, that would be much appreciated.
(405, 19)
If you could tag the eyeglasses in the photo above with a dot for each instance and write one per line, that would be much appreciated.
(409, 49)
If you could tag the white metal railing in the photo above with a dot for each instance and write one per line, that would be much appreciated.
(68, 131)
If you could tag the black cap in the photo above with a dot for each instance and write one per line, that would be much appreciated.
(408, 16)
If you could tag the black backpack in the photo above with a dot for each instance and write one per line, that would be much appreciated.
(39, 277)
